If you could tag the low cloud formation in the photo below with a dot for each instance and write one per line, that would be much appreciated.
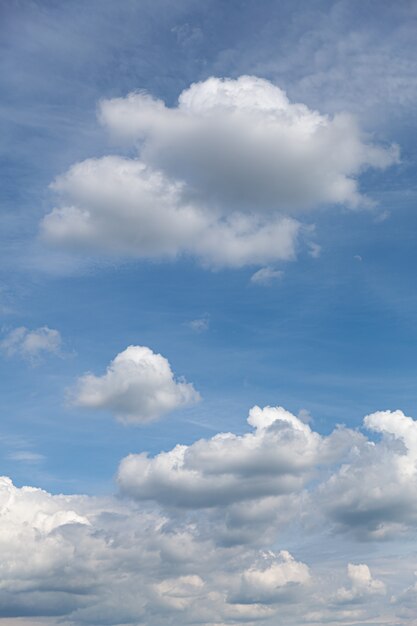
(203, 537)
(31, 344)
(243, 144)
(138, 387)
(217, 177)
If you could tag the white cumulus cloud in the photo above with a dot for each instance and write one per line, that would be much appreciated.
(243, 144)
(277, 458)
(138, 387)
(218, 177)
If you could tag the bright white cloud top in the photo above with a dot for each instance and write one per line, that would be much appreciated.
(138, 386)
(219, 557)
(219, 177)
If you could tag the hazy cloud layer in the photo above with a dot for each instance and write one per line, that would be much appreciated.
(218, 177)
(31, 344)
(138, 386)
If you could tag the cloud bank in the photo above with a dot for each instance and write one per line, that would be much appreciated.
(202, 537)
(220, 177)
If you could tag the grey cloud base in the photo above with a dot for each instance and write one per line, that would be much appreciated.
(198, 541)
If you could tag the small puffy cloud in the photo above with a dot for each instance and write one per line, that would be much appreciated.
(219, 177)
(138, 387)
(373, 494)
(274, 580)
(266, 275)
(31, 344)
(362, 586)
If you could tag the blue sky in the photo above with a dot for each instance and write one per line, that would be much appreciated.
(329, 334)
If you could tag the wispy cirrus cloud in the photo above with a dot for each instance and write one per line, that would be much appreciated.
(32, 345)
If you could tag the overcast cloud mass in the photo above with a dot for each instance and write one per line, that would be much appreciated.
(208, 304)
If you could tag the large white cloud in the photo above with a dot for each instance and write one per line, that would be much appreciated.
(242, 145)
(218, 177)
(277, 458)
(138, 386)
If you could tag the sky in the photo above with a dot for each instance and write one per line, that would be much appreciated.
(208, 304)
